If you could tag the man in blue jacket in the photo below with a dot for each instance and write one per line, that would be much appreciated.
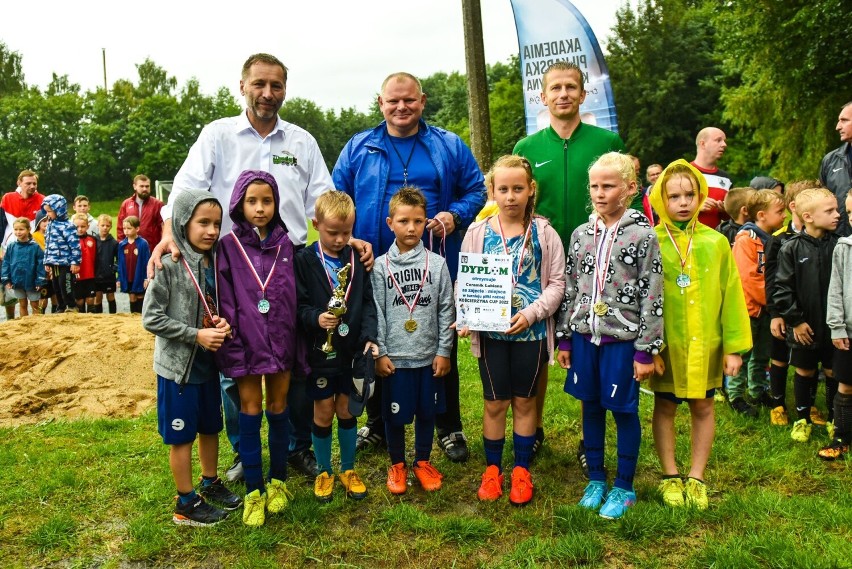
(405, 151)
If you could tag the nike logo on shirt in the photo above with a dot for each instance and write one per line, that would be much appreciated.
(837, 170)
(803, 260)
(540, 164)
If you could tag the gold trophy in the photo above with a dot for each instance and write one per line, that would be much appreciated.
(337, 305)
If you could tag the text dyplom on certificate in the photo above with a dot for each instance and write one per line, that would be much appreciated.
(484, 300)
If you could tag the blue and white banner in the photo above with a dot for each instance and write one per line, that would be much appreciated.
(554, 30)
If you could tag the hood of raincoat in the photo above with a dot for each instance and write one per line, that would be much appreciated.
(182, 210)
(242, 227)
(658, 200)
(58, 204)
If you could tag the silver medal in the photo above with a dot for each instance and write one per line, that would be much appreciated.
(683, 280)
(343, 329)
(263, 306)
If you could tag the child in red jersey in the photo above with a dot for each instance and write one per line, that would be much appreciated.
(84, 282)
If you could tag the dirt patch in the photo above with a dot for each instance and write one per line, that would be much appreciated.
(75, 366)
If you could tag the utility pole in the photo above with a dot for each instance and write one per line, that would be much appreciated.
(477, 84)
(103, 53)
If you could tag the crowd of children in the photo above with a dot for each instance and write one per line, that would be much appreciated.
(691, 309)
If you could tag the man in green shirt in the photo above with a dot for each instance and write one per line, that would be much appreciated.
(560, 156)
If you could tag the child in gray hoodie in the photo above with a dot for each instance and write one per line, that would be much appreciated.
(839, 320)
(414, 305)
(179, 308)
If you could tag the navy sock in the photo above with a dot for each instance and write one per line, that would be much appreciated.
(494, 452)
(629, 431)
(187, 498)
(395, 435)
(830, 392)
(279, 443)
(347, 435)
(523, 449)
(424, 435)
(250, 452)
(321, 437)
(778, 383)
(594, 435)
(802, 392)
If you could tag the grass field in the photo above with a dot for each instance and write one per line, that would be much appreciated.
(99, 494)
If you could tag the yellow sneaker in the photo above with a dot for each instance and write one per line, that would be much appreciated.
(254, 509)
(696, 494)
(323, 486)
(778, 416)
(801, 431)
(672, 491)
(353, 485)
(816, 417)
(277, 496)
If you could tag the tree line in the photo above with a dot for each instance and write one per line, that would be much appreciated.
(772, 75)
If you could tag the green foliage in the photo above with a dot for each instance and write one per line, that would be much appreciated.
(11, 72)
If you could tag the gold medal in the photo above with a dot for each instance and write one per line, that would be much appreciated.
(410, 325)
(516, 301)
(600, 308)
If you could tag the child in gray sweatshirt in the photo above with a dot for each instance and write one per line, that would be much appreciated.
(414, 304)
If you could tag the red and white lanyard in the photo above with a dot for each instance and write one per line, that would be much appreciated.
(442, 246)
(261, 284)
(206, 306)
(328, 276)
(413, 304)
(600, 272)
(683, 258)
(527, 235)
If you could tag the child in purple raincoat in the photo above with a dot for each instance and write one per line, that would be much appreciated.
(257, 295)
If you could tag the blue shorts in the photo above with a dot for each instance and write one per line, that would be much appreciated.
(669, 396)
(321, 387)
(409, 392)
(603, 373)
(184, 413)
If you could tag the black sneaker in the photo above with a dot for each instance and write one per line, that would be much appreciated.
(197, 513)
(766, 400)
(216, 492)
(369, 437)
(742, 407)
(454, 446)
(581, 458)
(305, 462)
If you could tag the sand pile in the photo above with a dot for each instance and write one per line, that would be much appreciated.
(75, 366)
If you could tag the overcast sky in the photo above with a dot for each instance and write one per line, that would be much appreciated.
(337, 51)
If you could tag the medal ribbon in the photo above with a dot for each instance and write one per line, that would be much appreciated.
(442, 247)
(413, 304)
(328, 276)
(198, 290)
(600, 275)
(682, 258)
(527, 234)
(261, 284)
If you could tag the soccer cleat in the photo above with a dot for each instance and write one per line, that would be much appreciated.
(305, 462)
(235, 472)
(801, 431)
(368, 437)
(742, 407)
(837, 450)
(277, 496)
(696, 494)
(353, 485)
(829, 428)
(765, 400)
(428, 475)
(778, 416)
(617, 502)
(254, 509)
(323, 486)
(217, 492)
(672, 490)
(454, 446)
(522, 487)
(719, 396)
(197, 513)
(539, 442)
(817, 418)
(397, 478)
(593, 495)
(492, 484)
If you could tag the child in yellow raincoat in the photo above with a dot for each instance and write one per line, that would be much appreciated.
(706, 326)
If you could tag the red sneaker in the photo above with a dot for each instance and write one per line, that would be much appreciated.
(492, 484)
(398, 478)
(522, 487)
(428, 475)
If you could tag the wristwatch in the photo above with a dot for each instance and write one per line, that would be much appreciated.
(456, 219)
